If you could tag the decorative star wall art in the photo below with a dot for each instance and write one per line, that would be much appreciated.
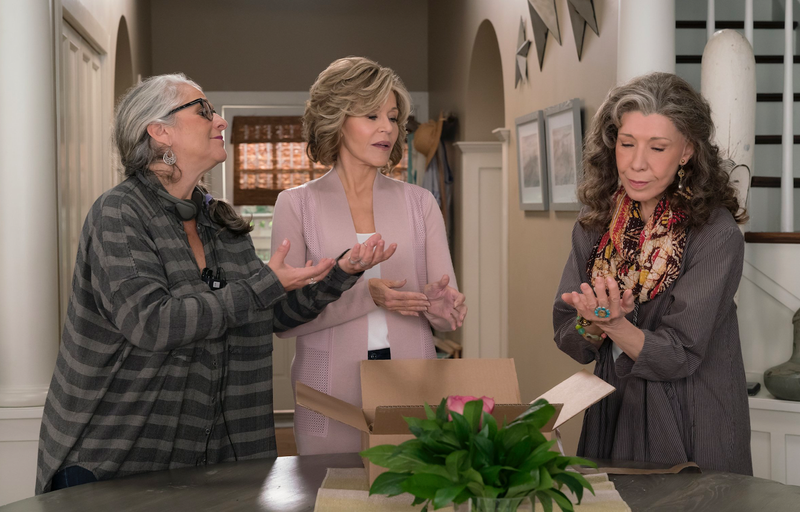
(581, 13)
(523, 46)
(544, 19)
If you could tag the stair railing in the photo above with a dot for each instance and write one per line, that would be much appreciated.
(787, 140)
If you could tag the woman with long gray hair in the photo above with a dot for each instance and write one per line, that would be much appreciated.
(166, 354)
(647, 291)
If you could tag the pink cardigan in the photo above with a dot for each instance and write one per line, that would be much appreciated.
(316, 219)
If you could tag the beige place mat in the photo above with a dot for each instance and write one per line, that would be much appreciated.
(347, 490)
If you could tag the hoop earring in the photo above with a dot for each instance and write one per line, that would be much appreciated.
(169, 157)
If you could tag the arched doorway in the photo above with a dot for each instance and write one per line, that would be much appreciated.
(123, 61)
(485, 108)
(481, 203)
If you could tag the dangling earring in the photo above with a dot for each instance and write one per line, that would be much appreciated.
(681, 173)
(169, 157)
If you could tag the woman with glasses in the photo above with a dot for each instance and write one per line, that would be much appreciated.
(647, 293)
(355, 122)
(166, 354)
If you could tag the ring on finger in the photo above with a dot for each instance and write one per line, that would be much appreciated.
(352, 261)
(363, 263)
(312, 281)
(602, 312)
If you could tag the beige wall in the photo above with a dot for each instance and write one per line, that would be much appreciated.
(281, 45)
(539, 241)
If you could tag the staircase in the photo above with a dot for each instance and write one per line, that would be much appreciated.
(769, 292)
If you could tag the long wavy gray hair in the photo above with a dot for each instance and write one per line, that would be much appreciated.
(147, 103)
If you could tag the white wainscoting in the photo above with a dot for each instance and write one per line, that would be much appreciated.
(775, 441)
(19, 442)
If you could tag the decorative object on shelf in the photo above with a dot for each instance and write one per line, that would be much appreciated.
(531, 161)
(564, 153)
(471, 456)
(783, 380)
(544, 19)
(581, 13)
(523, 47)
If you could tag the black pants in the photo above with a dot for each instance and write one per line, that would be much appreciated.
(380, 354)
(70, 477)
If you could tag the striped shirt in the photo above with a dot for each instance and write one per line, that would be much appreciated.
(155, 370)
(685, 397)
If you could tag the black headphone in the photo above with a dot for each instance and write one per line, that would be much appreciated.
(185, 210)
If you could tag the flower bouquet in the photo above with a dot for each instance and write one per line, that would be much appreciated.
(461, 453)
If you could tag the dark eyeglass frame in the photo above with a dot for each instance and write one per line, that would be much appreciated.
(207, 112)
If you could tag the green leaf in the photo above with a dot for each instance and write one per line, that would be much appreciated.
(425, 485)
(545, 480)
(539, 456)
(519, 452)
(575, 482)
(446, 495)
(512, 435)
(472, 413)
(418, 500)
(560, 499)
(455, 461)
(389, 483)
(484, 452)
(491, 492)
(441, 411)
(491, 474)
(402, 458)
(435, 469)
(429, 412)
(577, 461)
(490, 425)
(461, 427)
(538, 414)
(521, 484)
(546, 501)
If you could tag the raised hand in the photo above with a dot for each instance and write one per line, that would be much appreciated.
(447, 303)
(605, 295)
(406, 303)
(292, 278)
(365, 256)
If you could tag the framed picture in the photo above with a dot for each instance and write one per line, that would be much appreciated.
(563, 125)
(531, 162)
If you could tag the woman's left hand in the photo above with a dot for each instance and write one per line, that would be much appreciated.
(604, 295)
(365, 256)
(446, 302)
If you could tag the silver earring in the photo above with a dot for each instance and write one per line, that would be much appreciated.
(169, 157)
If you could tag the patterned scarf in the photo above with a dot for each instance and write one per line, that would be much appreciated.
(644, 258)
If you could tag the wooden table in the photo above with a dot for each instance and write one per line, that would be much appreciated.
(289, 484)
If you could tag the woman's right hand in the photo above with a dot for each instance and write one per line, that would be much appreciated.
(292, 278)
(406, 303)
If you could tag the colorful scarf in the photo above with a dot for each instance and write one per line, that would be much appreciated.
(643, 258)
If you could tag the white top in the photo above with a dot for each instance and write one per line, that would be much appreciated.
(378, 329)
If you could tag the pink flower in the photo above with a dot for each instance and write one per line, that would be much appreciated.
(456, 403)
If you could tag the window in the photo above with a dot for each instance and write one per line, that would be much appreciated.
(270, 156)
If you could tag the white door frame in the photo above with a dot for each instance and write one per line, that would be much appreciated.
(484, 248)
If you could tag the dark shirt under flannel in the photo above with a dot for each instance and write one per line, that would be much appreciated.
(155, 370)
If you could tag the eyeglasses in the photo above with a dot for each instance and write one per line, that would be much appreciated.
(207, 111)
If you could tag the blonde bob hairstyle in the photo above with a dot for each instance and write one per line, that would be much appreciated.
(352, 86)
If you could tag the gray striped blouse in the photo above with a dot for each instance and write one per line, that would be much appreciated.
(684, 398)
(155, 370)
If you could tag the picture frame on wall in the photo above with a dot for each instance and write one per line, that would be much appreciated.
(564, 154)
(531, 162)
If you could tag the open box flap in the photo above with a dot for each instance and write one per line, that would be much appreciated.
(417, 381)
(331, 407)
(577, 393)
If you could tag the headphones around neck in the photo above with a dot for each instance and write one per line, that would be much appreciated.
(185, 210)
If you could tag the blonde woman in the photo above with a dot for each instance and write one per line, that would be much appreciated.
(355, 122)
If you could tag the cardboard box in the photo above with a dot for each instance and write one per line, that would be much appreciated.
(393, 389)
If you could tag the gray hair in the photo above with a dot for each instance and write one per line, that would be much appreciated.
(146, 103)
